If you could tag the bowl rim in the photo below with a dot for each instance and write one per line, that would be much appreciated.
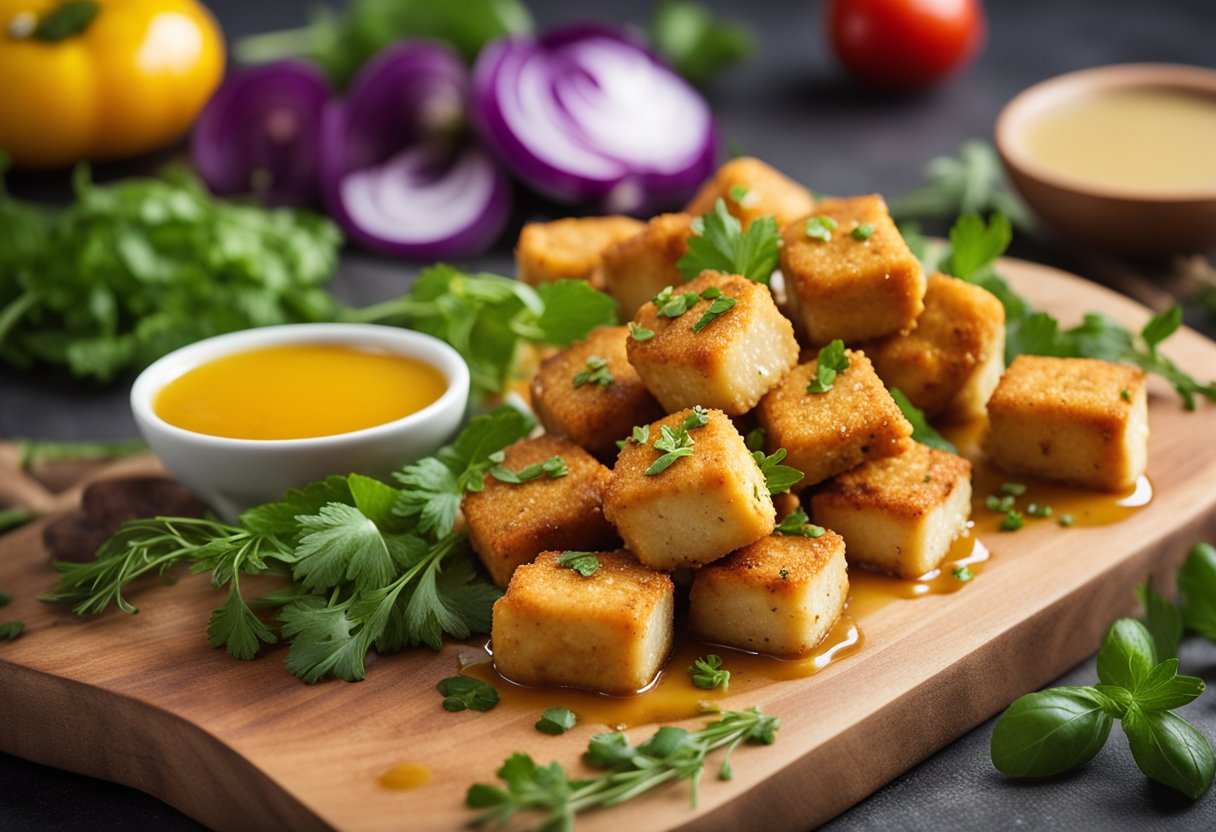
(1033, 100)
(405, 342)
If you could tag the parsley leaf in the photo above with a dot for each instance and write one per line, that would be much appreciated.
(820, 228)
(341, 544)
(697, 44)
(640, 333)
(462, 693)
(677, 443)
(778, 478)
(720, 306)
(720, 244)
(798, 524)
(755, 439)
(971, 183)
(670, 305)
(707, 673)
(584, 563)
(962, 573)
(831, 361)
(10, 630)
(597, 372)
(556, 721)
(863, 232)
(922, 431)
(554, 466)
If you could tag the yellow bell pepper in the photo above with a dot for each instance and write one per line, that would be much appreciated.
(102, 79)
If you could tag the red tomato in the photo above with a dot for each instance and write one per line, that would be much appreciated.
(904, 44)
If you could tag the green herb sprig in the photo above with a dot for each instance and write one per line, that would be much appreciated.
(676, 443)
(778, 478)
(707, 673)
(556, 721)
(584, 563)
(720, 244)
(820, 228)
(370, 565)
(922, 431)
(798, 524)
(597, 372)
(464, 693)
(670, 754)
(554, 467)
(831, 361)
(696, 43)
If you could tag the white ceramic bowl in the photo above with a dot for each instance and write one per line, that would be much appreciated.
(234, 474)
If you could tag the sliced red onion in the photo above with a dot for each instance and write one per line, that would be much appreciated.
(398, 176)
(261, 132)
(587, 113)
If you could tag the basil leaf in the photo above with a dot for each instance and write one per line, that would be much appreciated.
(1169, 750)
(1197, 584)
(1163, 620)
(1127, 656)
(1163, 689)
(1050, 731)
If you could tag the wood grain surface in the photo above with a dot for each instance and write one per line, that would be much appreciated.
(144, 701)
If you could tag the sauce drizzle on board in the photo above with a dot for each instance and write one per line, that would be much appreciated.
(672, 696)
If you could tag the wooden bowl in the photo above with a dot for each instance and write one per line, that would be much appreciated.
(1138, 223)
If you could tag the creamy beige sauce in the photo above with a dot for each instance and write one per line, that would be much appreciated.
(1150, 140)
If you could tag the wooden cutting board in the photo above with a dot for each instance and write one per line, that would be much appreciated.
(143, 700)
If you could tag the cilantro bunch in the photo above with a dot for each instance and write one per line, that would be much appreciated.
(134, 270)
(370, 564)
(670, 754)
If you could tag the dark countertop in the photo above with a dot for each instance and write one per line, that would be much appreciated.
(790, 106)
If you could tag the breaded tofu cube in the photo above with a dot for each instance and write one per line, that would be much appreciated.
(511, 523)
(1073, 420)
(828, 433)
(635, 270)
(569, 247)
(701, 507)
(590, 393)
(899, 514)
(862, 283)
(752, 189)
(730, 363)
(609, 631)
(779, 595)
(950, 363)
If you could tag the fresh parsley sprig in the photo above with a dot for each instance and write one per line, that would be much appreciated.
(676, 443)
(778, 478)
(707, 672)
(597, 372)
(556, 721)
(670, 754)
(584, 563)
(798, 524)
(464, 693)
(371, 565)
(719, 243)
(1054, 730)
(831, 361)
(922, 431)
(720, 305)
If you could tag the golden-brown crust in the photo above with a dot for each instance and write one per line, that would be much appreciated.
(593, 415)
(778, 564)
(953, 336)
(828, 433)
(637, 268)
(846, 288)
(568, 247)
(620, 589)
(769, 193)
(908, 485)
(1079, 389)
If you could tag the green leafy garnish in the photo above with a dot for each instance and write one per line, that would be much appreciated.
(1012, 521)
(754, 439)
(1039, 510)
(738, 193)
(1065, 520)
(640, 333)
(556, 721)
(971, 183)
(963, 573)
(34, 451)
(670, 754)
(1000, 505)
(707, 673)
(11, 518)
(1015, 489)
(1054, 730)
(697, 44)
(720, 306)
(863, 232)
(1162, 619)
(68, 19)
(798, 524)
(597, 372)
(640, 436)
(554, 466)
(5, 599)
(463, 693)
(671, 305)
(676, 442)
(821, 227)
(720, 244)
(778, 478)
(10, 630)
(831, 362)
(371, 565)
(584, 563)
(922, 431)
(1197, 586)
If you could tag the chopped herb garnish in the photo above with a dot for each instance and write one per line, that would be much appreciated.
(922, 431)
(462, 693)
(997, 504)
(820, 227)
(1065, 520)
(798, 524)
(783, 573)
(720, 306)
(831, 362)
(556, 721)
(720, 244)
(863, 232)
(1125, 394)
(554, 466)
(640, 436)
(584, 563)
(671, 305)
(738, 193)
(699, 418)
(963, 573)
(778, 478)
(597, 372)
(10, 630)
(1012, 521)
(755, 439)
(1014, 488)
(707, 673)
(927, 478)
(640, 333)
(1038, 510)
(677, 443)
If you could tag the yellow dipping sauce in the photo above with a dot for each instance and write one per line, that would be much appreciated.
(298, 391)
(1153, 140)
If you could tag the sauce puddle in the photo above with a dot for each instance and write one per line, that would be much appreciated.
(405, 776)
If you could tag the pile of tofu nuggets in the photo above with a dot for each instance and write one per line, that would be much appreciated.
(887, 503)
